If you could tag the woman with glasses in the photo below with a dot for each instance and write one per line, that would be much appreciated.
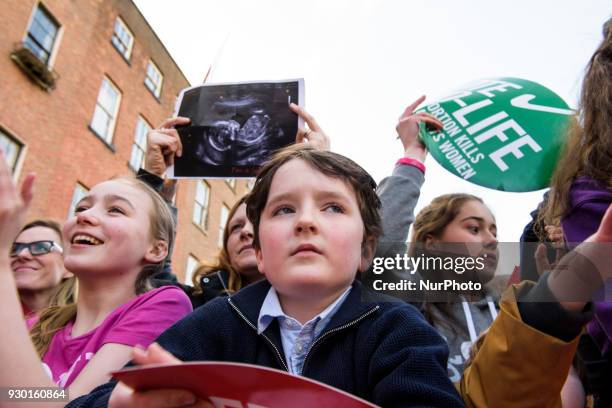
(38, 267)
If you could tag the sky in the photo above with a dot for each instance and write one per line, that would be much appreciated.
(364, 61)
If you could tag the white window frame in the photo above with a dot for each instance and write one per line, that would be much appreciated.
(30, 38)
(192, 265)
(152, 86)
(115, 38)
(223, 217)
(201, 209)
(139, 147)
(78, 193)
(12, 149)
(112, 114)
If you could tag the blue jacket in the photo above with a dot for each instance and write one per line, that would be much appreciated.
(383, 352)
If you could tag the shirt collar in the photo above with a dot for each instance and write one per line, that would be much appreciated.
(271, 309)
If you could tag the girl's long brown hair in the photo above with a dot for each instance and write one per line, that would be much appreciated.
(431, 221)
(222, 262)
(588, 149)
(59, 313)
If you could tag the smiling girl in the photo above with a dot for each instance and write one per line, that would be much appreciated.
(119, 235)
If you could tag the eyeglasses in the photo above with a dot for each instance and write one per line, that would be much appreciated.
(35, 248)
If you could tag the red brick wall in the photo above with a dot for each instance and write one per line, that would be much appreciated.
(60, 147)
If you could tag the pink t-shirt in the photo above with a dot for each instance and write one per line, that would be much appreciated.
(139, 321)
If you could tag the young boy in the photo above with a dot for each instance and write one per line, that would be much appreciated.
(316, 225)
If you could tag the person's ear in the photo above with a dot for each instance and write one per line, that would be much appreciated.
(157, 252)
(260, 261)
(430, 241)
(368, 249)
(67, 274)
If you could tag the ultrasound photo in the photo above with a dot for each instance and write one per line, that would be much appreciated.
(235, 127)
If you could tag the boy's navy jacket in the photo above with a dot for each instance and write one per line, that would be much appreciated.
(381, 351)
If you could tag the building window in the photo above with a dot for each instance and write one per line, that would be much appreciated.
(154, 79)
(123, 39)
(222, 222)
(42, 34)
(80, 191)
(107, 107)
(192, 264)
(140, 144)
(200, 208)
(11, 148)
(231, 182)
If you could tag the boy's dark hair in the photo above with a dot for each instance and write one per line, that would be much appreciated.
(330, 164)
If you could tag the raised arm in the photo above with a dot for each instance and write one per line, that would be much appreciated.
(399, 193)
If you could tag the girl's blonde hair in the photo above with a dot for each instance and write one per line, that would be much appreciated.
(222, 262)
(60, 313)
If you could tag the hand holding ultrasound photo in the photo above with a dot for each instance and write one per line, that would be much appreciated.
(235, 127)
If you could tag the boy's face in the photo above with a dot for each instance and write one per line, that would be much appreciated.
(310, 233)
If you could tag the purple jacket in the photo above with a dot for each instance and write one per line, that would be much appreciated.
(589, 200)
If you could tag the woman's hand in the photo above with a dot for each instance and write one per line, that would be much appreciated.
(163, 143)
(408, 130)
(314, 136)
(13, 205)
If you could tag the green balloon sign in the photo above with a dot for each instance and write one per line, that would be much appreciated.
(503, 133)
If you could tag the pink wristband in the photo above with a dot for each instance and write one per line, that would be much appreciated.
(406, 161)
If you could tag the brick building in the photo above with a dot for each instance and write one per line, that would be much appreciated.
(81, 82)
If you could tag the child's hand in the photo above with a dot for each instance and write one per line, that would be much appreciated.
(315, 136)
(408, 130)
(154, 354)
(163, 143)
(123, 396)
(13, 205)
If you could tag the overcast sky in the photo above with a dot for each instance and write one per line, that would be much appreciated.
(364, 60)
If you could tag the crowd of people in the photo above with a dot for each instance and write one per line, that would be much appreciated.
(288, 289)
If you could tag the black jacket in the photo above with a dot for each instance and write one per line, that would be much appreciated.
(383, 352)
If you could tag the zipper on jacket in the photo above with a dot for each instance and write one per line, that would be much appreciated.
(332, 331)
(278, 354)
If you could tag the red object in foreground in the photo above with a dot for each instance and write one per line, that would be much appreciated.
(238, 385)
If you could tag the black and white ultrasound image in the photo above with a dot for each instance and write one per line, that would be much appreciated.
(235, 128)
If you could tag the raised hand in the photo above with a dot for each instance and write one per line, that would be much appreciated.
(604, 232)
(408, 130)
(13, 205)
(163, 144)
(584, 270)
(314, 136)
